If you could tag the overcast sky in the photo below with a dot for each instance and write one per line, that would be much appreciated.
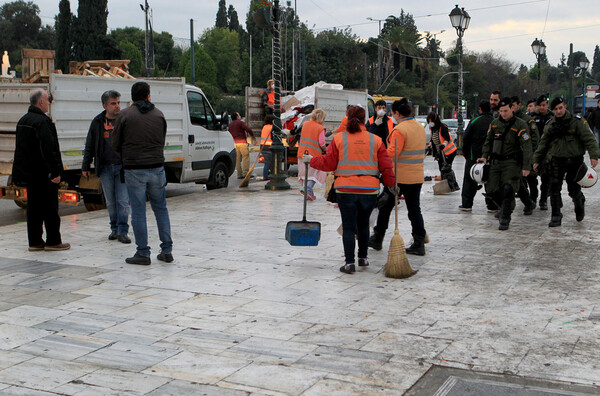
(506, 27)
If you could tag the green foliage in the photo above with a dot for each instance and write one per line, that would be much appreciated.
(230, 104)
(232, 17)
(64, 40)
(222, 46)
(596, 64)
(205, 69)
(89, 30)
(130, 51)
(221, 21)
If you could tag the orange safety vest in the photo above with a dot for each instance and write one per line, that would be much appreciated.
(358, 165)
(390, 123)
(343, 125)
(409, 164)
(271, 99)
(309, 139)
(450, 146)
(265, 135)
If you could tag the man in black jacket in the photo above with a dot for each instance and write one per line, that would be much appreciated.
(139, 138)
(107, 164)
(380, 124)
(38, 165)
(594, 121)
(473, 141)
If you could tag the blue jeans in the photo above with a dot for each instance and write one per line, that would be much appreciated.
(266, 164)
(355, 210)
(117, 200)
(142, 183)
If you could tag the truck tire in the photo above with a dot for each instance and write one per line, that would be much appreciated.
(219, 178)
(94, 202)
(21, 203)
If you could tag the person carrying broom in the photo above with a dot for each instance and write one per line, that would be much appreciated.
(358, 158)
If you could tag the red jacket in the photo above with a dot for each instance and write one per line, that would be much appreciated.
(329, 161)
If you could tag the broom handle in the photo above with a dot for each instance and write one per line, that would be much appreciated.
(305, 187)
(396, 181)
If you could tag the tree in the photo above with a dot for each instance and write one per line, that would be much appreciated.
(232, 17)
(19, 25)
(64, 42)
(205, 69)
(596, 64)
(404, 39)
(222, 46)
(89, 34)
(221, 21)
(131, 51)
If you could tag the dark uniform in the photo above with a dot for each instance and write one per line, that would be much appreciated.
(540, 121)
(528, 191)
(473, 141)
(566, 140)
(382, 130)
(508, 149)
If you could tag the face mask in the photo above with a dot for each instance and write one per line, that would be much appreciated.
(431, 125)
(380, 113)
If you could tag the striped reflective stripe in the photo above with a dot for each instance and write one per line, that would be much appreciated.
(346, 150)
(359, 172)
(410, 160)
(304, 141)
(413, 152)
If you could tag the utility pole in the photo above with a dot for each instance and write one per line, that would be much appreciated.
(149, 52)
(250, 60)
(572, 79)
(192, 63)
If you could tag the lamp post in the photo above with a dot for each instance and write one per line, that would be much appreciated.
(460, 21)
(380, 48)
(278, 172)
(583, 65)
(539, 49)
(437, 89)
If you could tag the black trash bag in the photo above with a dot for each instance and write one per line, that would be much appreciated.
(448, 174)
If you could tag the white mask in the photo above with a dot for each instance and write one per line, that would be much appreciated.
(380, 113)
(431, 125)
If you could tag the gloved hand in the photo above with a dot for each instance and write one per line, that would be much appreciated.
(328, 133)
(306, 158)
(395, 190)
(378, 121)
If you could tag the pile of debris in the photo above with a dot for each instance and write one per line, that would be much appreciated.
(101, 68)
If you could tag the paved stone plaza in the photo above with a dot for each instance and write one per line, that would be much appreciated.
(240, 311)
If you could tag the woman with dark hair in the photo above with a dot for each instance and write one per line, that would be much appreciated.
(357, 157)
(407, 142)
(441, 142)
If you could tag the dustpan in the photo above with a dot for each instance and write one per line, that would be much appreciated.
(303, 233)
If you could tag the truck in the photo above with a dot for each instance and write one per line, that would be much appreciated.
(198, 147)
(332, 101)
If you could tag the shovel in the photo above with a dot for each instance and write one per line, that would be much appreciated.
(303, 233)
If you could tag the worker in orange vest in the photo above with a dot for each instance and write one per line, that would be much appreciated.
(441, 142)
(343, 124)
(358, 158)
(410, 140)
(380, 125)
(269, 97)
(265, 144)
(312, 142)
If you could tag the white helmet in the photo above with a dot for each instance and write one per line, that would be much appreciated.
(586, 176)
(477, 173)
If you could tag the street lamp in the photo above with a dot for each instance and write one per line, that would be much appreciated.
(539, 49)
(380, 47)
(460, 21)
(583, 65)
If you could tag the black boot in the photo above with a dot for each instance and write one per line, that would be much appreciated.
(579, 203)
(528, 209)
(418, 246)
(543, 201)
(556, 218)
(504, 223)
(376, 240)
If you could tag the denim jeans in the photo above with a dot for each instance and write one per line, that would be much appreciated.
(142, 183)
(117, 200)
(355, 210)
(266, 164)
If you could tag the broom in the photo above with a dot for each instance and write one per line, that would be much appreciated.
(397, 265)
(246, 180)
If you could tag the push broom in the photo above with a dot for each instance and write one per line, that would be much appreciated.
(246, 180)
(397, 265)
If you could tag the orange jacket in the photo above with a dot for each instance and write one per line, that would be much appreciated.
(343, 125)
(358, 165)
(410, 139)
(271, 98)
(265, 135)
(309, 139)
(450, 146)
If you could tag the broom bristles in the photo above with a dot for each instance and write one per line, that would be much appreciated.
(397, 265)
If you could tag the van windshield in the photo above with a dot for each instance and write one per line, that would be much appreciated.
(200, 112)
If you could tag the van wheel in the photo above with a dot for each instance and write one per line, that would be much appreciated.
(94, 202)
(220, 177)
(21, 203)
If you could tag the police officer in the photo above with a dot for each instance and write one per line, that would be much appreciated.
(508, 148)
(542, 116)
(528, 191)
(473, 141)
(566, 139)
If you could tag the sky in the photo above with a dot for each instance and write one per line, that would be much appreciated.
(507, 27)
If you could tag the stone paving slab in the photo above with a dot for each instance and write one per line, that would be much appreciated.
(241, 312)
